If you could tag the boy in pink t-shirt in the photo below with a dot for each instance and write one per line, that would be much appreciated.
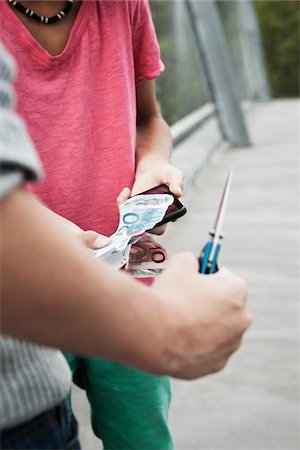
(85, 92)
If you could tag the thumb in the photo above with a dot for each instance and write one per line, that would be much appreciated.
(175, 188)
(184, 261)
(123, 196)
(94, 240)
(176, 182)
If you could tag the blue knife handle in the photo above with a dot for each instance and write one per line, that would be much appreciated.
(203, 259)
(205, 265)
(214, 265)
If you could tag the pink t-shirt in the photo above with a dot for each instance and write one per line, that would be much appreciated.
(80, 106)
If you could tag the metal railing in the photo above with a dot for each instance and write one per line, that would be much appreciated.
(212, 52)
(182, 88)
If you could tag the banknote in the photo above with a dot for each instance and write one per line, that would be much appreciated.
(145, 273)
(147, 258)
(118, 258)
(142, 212)
(137, 214)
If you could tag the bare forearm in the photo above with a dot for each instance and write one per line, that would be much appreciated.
(154, 144)
(55, 294)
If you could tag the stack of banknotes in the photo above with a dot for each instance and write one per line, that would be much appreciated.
(131, 248)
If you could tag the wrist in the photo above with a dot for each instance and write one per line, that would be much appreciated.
(150, 163)
(149, 348)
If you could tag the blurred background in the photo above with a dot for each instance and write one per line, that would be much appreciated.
(277, 38)
(230, 93)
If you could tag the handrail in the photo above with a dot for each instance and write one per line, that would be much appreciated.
(184, 127)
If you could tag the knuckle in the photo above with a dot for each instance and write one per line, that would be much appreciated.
(241, 288)
(245, 322)
(235, 345)
(220, 365)
(248, 319)
(244, 289)
(240, 294)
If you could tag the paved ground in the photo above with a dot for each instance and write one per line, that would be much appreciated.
(254, 403)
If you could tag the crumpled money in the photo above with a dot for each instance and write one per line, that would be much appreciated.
(147, 258)
(137, 215)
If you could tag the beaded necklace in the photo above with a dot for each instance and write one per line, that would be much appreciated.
(41, 19)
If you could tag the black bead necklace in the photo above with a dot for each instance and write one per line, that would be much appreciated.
(46, 20)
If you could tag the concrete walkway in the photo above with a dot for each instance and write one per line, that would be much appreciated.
(254, 403)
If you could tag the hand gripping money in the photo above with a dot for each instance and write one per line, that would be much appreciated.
(137, 215)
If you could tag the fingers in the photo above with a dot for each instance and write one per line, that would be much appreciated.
(175, 181)
(235, 290)
(123, 196)
(209, 315)
(232, 280)
(158, 230)
(94, 240)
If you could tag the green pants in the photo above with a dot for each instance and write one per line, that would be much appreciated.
(129, 408)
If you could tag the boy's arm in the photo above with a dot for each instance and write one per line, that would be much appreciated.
(154, 144)
(54, 293)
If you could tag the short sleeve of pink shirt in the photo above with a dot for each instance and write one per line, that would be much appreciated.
(145, 48)
(80, 106)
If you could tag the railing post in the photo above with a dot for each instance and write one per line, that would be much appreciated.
(252, 49)
(213, 50)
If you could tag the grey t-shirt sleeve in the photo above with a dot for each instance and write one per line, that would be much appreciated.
(18, 159)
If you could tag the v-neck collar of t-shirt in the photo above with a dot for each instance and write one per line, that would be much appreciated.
(34, 47)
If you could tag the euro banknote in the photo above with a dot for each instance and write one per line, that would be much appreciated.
(137, 215)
